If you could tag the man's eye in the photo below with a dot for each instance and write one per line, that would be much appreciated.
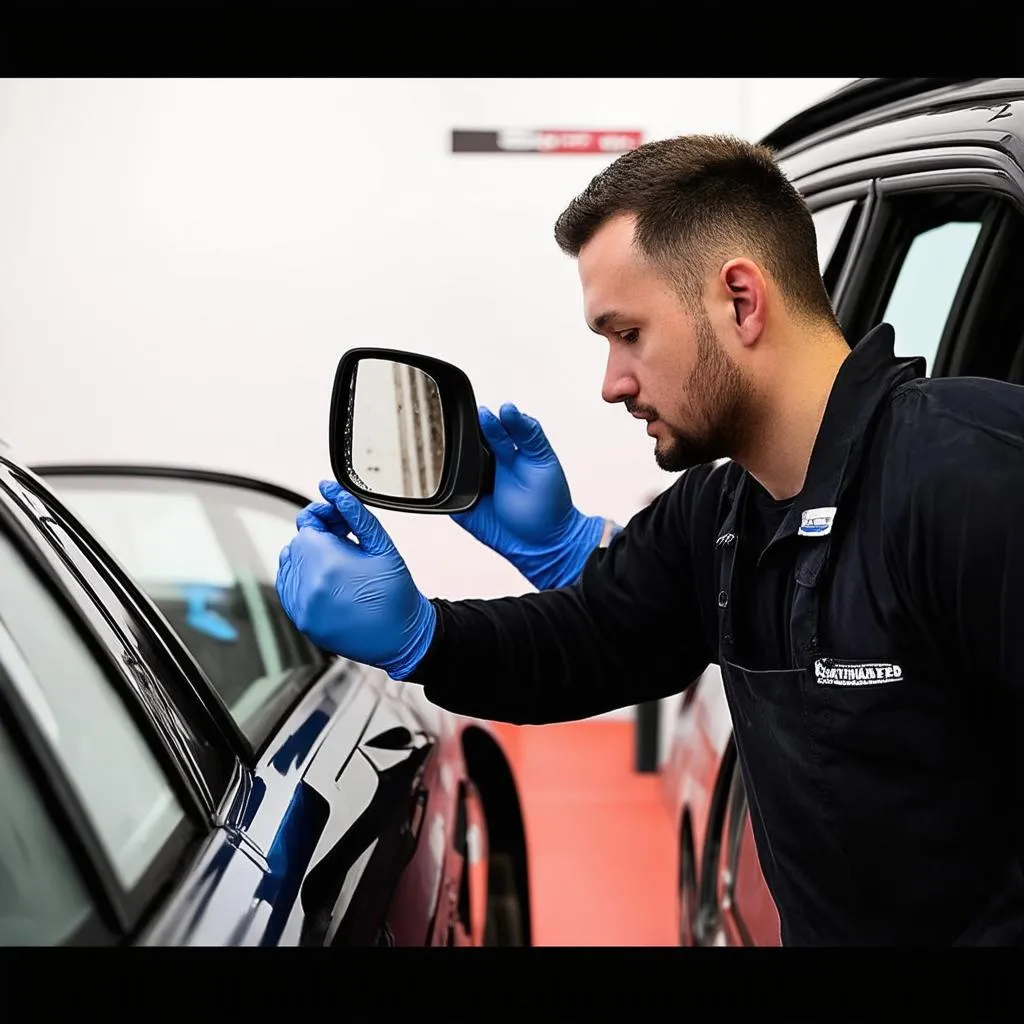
(630, 336)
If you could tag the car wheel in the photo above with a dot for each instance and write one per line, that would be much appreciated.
(687, 892)
(490, 910)
(504, 916)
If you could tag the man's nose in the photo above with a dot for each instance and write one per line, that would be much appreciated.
(618, 383)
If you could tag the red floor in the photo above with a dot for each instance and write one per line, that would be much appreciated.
(602, 849)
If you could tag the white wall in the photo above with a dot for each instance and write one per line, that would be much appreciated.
(182, 263)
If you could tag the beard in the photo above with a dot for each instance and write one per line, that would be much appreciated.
(718, 407)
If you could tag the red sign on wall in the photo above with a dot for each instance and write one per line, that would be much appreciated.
(545, 140)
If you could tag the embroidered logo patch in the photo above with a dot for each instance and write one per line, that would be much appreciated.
(816, 522)
(830, 672)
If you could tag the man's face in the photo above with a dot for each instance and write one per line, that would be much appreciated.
(665, 362)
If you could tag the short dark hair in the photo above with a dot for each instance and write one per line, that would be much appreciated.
(696, 196)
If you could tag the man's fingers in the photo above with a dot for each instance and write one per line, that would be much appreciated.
(526, 432)
(323, 516)
(497, 437)
(364, 525)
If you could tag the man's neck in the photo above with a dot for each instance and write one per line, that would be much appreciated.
(791, 414)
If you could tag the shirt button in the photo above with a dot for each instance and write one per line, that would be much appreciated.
(723, 599)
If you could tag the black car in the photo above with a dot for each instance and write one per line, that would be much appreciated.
(181, 767)
(916, 187)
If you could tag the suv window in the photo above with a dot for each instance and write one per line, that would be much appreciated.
(927, 283)
(938, 269)
(85, 724)
(206, 553)
(43, 900)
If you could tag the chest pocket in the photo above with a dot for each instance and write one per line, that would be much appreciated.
(861, 710)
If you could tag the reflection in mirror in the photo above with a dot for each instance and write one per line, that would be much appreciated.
(397, 441)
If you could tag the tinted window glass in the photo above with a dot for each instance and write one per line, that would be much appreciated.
(88, 727)
(207, 553)
(927, 285)
(43, 901)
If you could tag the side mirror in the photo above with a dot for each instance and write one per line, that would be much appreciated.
(405, 433)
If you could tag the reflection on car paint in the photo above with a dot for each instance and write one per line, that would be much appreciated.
(297, 746)
(289, 856)
(207, 883)
(385, 816)
(241, 929)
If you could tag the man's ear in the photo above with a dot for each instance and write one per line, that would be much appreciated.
(744, 286)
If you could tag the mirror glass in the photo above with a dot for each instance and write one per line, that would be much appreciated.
(397, 433)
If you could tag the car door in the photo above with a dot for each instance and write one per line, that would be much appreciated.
(342, 769)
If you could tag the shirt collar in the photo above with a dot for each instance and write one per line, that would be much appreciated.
(865, 379)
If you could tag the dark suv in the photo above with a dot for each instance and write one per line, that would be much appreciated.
(916, 187)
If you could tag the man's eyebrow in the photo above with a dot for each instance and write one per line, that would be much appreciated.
(603, 321)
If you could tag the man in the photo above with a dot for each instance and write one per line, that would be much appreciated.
(845, 544)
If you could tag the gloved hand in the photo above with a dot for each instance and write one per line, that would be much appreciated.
(355, 599)
(529, 518)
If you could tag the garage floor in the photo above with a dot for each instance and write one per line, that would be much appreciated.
(602, 848)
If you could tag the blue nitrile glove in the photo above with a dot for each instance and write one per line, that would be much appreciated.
(355, 599)
(529, 518)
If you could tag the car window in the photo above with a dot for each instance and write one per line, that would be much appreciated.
(206, 553)
(43, 900)
(926, 286)
(85, 723)
(828, 225)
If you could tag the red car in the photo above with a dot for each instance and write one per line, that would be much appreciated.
(916, 187)
(723, 899)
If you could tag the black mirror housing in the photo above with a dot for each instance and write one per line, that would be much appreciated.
(467, 470)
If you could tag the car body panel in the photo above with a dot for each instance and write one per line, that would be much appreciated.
(349, 825)
(988, 114)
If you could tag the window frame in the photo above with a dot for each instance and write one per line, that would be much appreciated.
(238, 548)
(934, 164)
(123, 911)
(836, 274)
(890, 236)
(126, 616)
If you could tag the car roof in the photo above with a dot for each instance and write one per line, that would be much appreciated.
(871, 101)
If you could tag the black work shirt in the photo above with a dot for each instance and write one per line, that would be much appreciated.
(752, 601)
(877, 710)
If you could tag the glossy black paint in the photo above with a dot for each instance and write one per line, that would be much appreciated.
(863, 96)
(345, 827)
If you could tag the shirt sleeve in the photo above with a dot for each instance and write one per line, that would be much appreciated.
(628, 631)
(958, 545)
